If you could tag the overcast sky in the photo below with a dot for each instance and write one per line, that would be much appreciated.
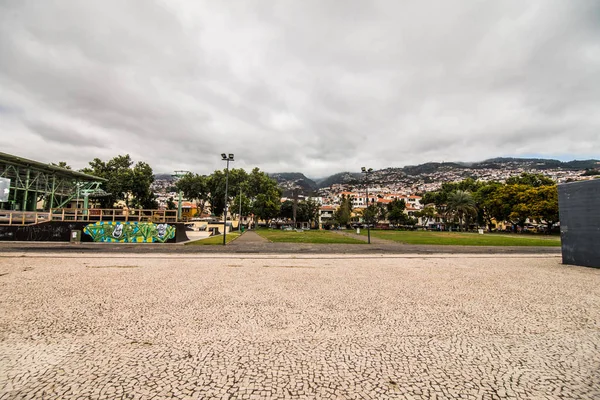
(311, 86)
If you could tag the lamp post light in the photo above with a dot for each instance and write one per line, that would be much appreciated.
(227, 158)
(240, 214)
(367, 172)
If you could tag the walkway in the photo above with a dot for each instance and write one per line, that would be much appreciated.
(251, 243)
(248, 239)
(127, 326)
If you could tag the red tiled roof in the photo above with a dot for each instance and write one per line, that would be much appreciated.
(327, 208)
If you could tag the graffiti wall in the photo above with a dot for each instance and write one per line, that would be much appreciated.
(129, 232)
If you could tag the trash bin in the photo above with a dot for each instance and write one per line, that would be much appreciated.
(242, 228)
(358, 231)
(75, 236)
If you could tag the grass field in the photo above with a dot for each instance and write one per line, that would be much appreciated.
(214, 240)
(464, 239)
(277, 235)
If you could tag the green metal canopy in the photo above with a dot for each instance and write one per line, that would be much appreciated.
(33, 182)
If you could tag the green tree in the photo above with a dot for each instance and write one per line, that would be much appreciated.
(264, 194)
(61, 164)
(382, 212)
(195, 188)
(534, 180)
(216, 189)
(428, 212)
(266, 205)
(287, 210)
(313, 209)
(544, 206)
(435, 197)
(124, 182)
(171, 204)
(142, 178)
(461, 206)
(307, 210)
(511, 203)
(235, 205)
(396, 213)
(259, 192)
(370, 214)
(341, 216)
(484, 200)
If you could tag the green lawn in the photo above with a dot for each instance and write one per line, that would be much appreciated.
(464, 239)
(214, 240)
(313, 236)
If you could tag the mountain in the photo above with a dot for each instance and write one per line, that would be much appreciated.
(164, 177)
(288, 181)
(536, 164)
(431, 172)
(339, 178)
(431, 167)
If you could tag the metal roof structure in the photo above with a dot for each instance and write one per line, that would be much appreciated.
(39, 186)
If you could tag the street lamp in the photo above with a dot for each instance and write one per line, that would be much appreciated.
(240, 214)
(227, 158)
(367, 172)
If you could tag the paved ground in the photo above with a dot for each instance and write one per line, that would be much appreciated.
(251, 243)
(112, 326)
(247, 240)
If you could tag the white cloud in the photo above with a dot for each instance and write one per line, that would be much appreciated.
(316, 87)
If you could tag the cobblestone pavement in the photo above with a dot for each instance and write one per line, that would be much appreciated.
(116, 326)
(241, 245)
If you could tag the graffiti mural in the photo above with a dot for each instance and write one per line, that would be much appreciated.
(129, 232)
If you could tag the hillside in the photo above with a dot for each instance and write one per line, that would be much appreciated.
(339, 178)
(288, 181)
(431, 172)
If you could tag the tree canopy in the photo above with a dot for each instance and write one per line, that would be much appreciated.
(342, 215)
(194, 187)
(532, 197)
(125, 181)
(396, 213)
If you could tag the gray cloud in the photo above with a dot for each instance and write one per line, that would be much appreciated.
(311, 86)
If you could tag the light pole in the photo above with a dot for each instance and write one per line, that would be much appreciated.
(178, 175)
(240, 214)
(227, 158)
(367, 172)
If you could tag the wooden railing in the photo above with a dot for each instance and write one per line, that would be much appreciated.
(87, 215)
(23, 217)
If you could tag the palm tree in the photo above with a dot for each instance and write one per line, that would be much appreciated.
(460, 205)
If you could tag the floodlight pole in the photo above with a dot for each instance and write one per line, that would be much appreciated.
(240, 214)
(367, 172)
(227, 158)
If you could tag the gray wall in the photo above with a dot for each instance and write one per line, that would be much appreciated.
(579, 207)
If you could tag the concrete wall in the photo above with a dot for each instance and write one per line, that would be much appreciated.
(579, 207)
(60, 231)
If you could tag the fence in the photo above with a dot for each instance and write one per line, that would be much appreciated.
(23, 217)
(91, 215)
